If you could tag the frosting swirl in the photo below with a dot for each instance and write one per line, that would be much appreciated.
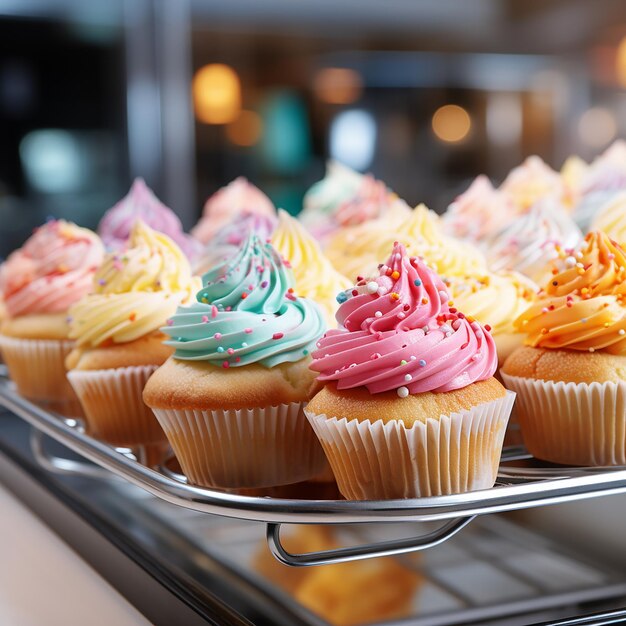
(400, 333)
(532, 240)
(315, 276)
(52, 270)
(134, 291)
(141, 204)
(582, 306)
(247, 313)
(239, 196)
(611, 218)
(478, 213)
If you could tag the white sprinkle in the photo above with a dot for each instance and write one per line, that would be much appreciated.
(352, 365)
(444, 296)
(621, 331)
(402, 392)
(413, 357)
(244, 344)
(378, 314)
(372, 287)
(479, 334)
(408, 377)
(401, 315)
(570, 261)
(592, 349)
(425, 329)
(398, 256)
(444, 328)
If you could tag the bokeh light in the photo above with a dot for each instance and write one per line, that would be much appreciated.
(336, 85)
(620, 62)
(451, 123)
(246, 130)
(353, 138)
(216, 94)
(596, 127)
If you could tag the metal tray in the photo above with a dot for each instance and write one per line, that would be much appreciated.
(518, 487)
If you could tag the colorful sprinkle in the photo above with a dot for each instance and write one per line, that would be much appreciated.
(220, 349)
(217, 336)
(225, 365)
(421, 363)
(278, 335)
(214, 311)
(169, 322)
(205, 319)
(132, 317)
(395, 275)
(264, 284)
(417, 282)
(341, 297)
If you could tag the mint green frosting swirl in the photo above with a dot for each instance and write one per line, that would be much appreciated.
(246, 312)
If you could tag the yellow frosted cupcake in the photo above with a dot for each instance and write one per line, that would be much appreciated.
(611, 218)
(569, 376)
(119, 343)
(316, 278)
(495, 300)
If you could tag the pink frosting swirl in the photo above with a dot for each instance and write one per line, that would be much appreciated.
(52, 270)
(400, 332)
(141, 203)
(368, 203)
(226, 203)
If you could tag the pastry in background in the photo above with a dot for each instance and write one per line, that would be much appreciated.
(314, 274)
(141, 204)
(239, 196)
(345, 594)
(496, 301)
(611, 218)
(603, 179)
(573, 172)
(118, 338)
(231, 398)
(531, 182)
(478, 213)
(532, 241)
(38, 284)
(230, 237)
(569, 377)
(409, 406)
(357, 251)
(329, 207)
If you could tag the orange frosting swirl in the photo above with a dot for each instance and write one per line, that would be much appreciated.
(582, 306)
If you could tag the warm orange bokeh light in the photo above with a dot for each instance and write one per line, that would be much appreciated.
(216, 94)
(336, 85)
(596, 127)
(246, 130)
(451, 123)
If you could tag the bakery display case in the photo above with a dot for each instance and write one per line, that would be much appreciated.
(314, 314)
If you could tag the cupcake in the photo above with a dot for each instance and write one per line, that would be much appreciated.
(38, 284)
(478, 213)
(532, 241)
(573, 173)
(370, 200)
(531, 182)
(141, 204)
(569, 376)
(603, 179)
(229, 238)
(321, 201)
(358, 251)
(227, 203)
(314, 274)
(495, 300)
(409, 406)
(118, 339)
(231, 398)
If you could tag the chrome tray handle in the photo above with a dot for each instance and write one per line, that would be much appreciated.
(366, 551)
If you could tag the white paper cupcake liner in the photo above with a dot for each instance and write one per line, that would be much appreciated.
(261, 447)
(113, 406)
(37, 367)
(572, 423)
(380, 461)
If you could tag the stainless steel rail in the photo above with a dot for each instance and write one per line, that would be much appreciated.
(517, 488)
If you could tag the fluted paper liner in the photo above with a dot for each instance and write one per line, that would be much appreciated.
(374, 460)
(113, 405)
(261, 447)
(572, 423)
(37, 367)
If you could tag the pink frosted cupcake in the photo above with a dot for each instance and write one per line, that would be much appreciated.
(409, 406)
(38, 283)
(141, 204)
(224, 205)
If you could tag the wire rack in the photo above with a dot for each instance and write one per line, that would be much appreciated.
(518, 487)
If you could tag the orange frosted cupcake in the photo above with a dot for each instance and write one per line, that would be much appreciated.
(39, 283)
(570, 375)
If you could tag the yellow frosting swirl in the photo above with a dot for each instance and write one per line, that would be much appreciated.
(134, 292)
(582, 306)
(611, 218)
(314, 274)
(494, 299)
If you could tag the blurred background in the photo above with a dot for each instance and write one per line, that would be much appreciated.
(190, 94)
